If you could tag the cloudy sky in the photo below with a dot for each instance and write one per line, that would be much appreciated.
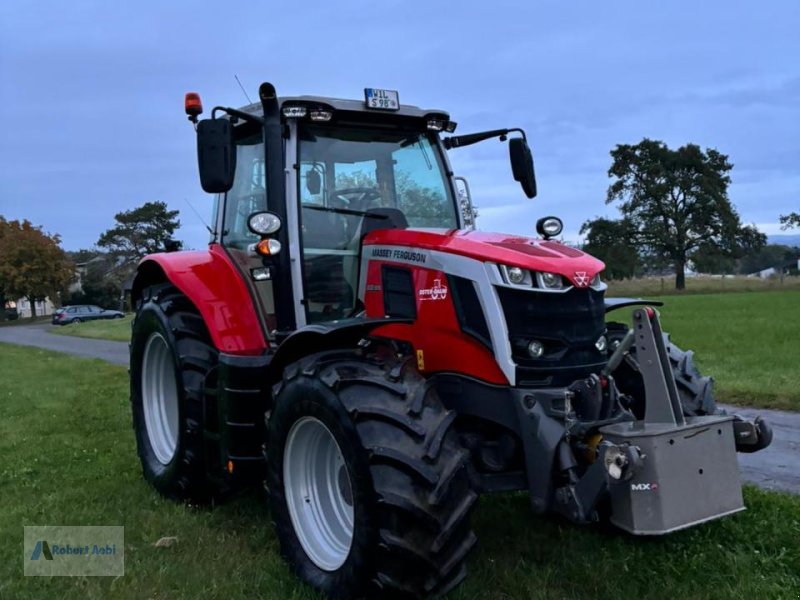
(92, 94)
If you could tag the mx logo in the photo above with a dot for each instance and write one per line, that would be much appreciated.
(41, 548)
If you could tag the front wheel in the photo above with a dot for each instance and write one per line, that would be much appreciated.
(696, 391)
(369, 486)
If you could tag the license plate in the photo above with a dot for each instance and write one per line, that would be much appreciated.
(382, 99)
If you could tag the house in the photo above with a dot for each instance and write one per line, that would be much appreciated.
(23, 306)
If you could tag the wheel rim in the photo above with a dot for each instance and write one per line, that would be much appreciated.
(318, 493)
(160, 398)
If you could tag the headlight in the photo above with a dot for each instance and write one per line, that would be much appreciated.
(535, 348)
(601, 344)
(516, 275)
(550, 281)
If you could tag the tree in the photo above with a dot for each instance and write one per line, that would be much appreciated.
(32, 263)
(138, 232)
(791, 220)
(770, 256)
(678, 202)
(611, 242)
(96, 287)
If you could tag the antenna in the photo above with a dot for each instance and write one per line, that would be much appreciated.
(243, 90)
(194, 210)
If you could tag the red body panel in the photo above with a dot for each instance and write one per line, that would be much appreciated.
(215, 286)
(512, 250)
(436, 335)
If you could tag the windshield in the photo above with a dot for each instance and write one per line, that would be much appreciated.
(361, 169)
(345, 175)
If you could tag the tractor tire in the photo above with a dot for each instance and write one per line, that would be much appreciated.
(695, 390)
(389, 515)
(171, 354)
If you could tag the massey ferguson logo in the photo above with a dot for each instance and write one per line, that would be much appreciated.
(582, 278)
(644, 487)
(437, 292)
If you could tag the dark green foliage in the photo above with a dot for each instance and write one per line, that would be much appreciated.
(612, 242)
(32, 263)
(137, 233)
(678, 202)
(772, 255)
(790, 220)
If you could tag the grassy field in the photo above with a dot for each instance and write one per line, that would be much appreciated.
(107, 329)
(660, 286)
(749, 342)
(69, 458)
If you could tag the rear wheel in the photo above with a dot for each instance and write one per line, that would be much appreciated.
(369, 486)
(171, 354)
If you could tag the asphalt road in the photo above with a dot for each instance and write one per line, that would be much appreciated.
(39, 336)
(776, 468)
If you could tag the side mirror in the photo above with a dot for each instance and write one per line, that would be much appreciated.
(313, 181)
(522, 165)
(216, 155)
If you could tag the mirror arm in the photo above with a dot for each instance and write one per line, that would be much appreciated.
(237, 113)
(459, 141)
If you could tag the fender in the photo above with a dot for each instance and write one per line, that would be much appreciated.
(319, 337)
(216, 287)
(615, 303)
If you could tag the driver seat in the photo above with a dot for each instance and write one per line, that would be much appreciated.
(382, 218)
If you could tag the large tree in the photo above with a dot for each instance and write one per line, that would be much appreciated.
(32, 263)
(678, 201)
(137, 233)
(790, 220)
(611, 241)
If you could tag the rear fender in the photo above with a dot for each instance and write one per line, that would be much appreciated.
(216, 287)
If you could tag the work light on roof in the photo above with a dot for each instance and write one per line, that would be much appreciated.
(294, 112)
(320, 115)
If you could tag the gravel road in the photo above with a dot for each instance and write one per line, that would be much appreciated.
(777, 467)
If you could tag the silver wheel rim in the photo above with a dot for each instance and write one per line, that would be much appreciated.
(160, 398)
(318, 493)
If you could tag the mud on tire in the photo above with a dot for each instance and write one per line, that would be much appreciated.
(188, 356)
(409, 480)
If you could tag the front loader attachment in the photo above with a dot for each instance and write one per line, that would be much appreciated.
(687, 471)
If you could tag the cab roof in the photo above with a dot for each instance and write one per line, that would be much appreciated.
(353, 106)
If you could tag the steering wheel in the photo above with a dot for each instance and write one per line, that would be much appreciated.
(364, 195)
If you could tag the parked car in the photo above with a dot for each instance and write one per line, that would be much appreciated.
(12, 314)
(83, 312)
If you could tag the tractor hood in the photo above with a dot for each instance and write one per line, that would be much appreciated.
(512, 250)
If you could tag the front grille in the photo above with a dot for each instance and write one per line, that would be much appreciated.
(568, 325)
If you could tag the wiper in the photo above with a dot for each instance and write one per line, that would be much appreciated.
(346, 211)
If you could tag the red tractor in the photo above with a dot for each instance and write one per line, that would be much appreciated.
(348, 343)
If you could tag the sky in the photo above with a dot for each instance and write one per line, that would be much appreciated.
(92, 95)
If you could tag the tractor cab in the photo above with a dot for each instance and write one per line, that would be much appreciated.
(345, 169)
